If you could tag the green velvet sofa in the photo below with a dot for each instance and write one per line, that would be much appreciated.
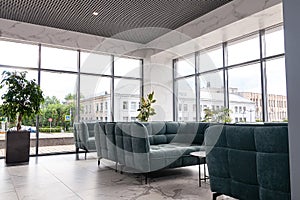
(147, 147)
(249, 161)
(84, 137)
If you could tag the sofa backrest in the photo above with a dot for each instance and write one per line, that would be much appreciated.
(133, 146)
(249, 161)
(176, 132)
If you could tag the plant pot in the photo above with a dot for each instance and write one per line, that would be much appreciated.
(17, 147)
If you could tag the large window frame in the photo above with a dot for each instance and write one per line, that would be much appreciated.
(262, 60)
(78, 73)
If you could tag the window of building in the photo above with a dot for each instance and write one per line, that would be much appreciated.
(125, 105)
(133, 106)
(185, 107)
(106, 106)
(101, 106)
(97, 107)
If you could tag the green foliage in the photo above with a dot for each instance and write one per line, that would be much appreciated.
(52, 130)
(146, 109)
(221, 116)
(22, 97)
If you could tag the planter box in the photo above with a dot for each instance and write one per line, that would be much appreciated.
(17, 147)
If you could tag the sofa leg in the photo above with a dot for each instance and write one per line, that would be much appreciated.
(146, 178)
(116, 168)
(77, 153)
(215, 195)
(85, 154)
(99, 161)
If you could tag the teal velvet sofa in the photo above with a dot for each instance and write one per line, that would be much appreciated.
(84, 137)
(146, 147)
(249, 161)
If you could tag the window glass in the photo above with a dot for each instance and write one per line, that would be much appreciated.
(274, 41)
(18, 54)
(60, 100)
(95, 90)
(276, 89)
(58, 59)
(95, 63)
(211, 59)
(127, 67)
(186, 98)
(243, 50)
(211, 95)
(185, 66)
(245, 93)
(126, 90)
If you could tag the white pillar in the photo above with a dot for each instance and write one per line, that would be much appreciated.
(292, 49)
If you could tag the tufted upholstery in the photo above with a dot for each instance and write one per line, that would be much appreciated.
(150, 146)
(249, 161)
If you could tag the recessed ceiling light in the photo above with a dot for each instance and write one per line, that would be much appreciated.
(95, 13)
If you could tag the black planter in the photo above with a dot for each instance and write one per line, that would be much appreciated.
(17, 147)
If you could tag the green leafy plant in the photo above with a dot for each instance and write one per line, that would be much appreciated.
(22, 97)
(221, 116)
(146, 109)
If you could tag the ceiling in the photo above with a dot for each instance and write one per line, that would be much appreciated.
(138, 21)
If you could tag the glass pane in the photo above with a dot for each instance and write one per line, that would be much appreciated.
(243, 50)
(245, 99)
(211, 59)
(276, 89)
(211, 96)
(186, 99)
(95, 63)
(274, 41)
(18, 54)
(59, 59)
(95, 98)
(127, 67)
(185, 66)
(27, 123)
(56, 133)
(127, 99)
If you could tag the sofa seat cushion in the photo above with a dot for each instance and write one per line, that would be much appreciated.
(91, 143)
(172, 150)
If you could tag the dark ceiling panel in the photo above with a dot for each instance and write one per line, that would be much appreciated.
(122, 19)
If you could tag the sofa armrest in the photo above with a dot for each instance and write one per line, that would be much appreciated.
(133, 146)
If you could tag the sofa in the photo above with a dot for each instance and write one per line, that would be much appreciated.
(84, 137)
(247, 161)
(147, 147)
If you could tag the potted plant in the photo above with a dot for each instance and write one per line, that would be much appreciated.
(21, 98)
(146, 109)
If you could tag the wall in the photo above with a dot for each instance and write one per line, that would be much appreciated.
(292, 49)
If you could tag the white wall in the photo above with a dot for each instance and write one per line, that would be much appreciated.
(292, 50)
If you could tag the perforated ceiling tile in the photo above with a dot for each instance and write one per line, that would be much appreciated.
(115, 16)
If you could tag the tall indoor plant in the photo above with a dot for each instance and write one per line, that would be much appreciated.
(21, 98)
(146, 109)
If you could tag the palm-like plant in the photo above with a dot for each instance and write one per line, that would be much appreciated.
(22, 98)
(146, 109)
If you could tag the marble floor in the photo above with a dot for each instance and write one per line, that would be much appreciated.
(63, 177)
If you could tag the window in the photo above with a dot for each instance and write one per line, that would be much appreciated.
(235, 109)
(211, 59)
(18, 54)
(180, 107)
(243, 50)
(185, 66)
(276, 88)
(101, 106)
(106, 106)
(97, 107)
(185, 107)
(127, 67)
(58, 59)
(133, 106)
(125, 119)
(125, 105)
(133, 119)
(243, 81)
(95, 63)
(194, 107)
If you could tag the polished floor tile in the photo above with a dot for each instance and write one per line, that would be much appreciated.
(64, 177)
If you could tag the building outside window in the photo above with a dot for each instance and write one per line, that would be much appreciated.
(125, 105)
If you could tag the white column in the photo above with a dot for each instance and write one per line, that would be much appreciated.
(292, 49)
